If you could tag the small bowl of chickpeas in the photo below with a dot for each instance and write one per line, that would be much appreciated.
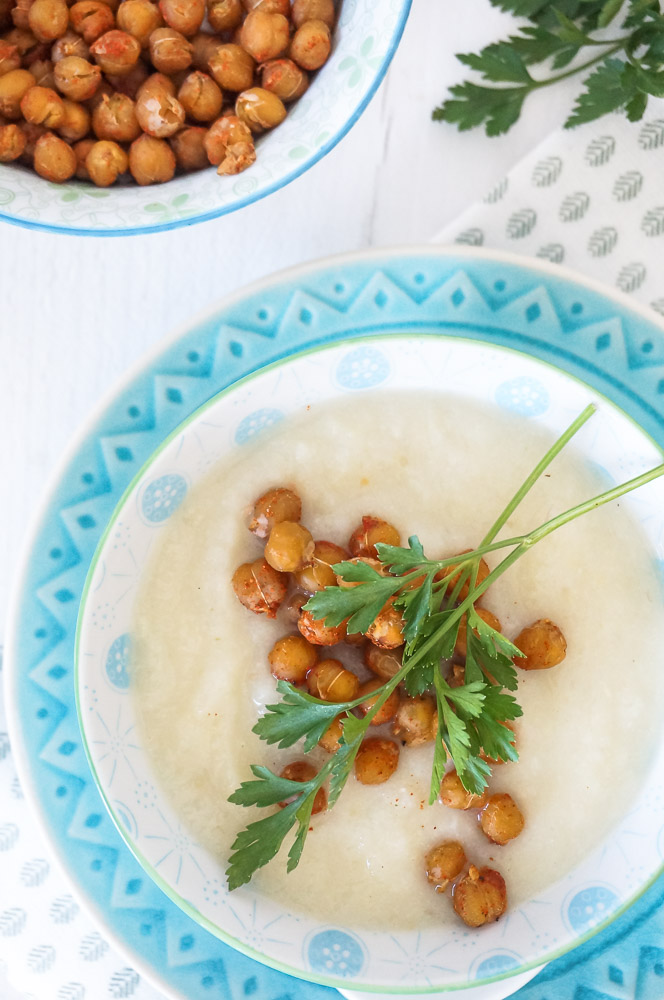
(211, 103)
(209, 564)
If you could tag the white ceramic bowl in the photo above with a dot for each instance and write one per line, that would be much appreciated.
(365, 39)
(564, 914)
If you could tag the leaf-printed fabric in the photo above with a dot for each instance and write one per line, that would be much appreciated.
(591, 198)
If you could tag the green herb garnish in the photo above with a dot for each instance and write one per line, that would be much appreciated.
(624, 42)
(470, 717)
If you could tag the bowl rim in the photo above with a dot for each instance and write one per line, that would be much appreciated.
(165, 886)
(21, 754)
(310, 161)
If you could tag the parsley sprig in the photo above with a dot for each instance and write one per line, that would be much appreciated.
(624, 42)
(471, 717)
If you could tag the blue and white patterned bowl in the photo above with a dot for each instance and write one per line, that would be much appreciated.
(563, 915)
(365, 40)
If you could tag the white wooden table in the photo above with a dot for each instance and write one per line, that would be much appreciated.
(77, 312)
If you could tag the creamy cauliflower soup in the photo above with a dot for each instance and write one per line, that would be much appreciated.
(441, 468)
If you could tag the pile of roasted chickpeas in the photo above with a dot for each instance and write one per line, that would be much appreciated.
(101, 89)
(295, 566)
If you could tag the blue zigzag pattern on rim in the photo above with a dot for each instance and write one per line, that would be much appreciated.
(607, 345)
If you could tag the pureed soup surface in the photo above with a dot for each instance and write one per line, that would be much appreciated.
(442, 468)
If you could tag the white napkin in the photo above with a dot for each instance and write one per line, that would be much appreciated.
(51, 949)
(591, 198)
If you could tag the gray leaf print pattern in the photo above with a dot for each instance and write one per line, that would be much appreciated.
(41, 958)
(520, 224)
(71, 991)
(123, 983)
(628, 185)
(631, 277)
(600, 150)
(497, 193)
(651, 135)
(13, 921)
(471, 237)
(653, 221)
(602, 241)
(554, 252)
(658, 306)
(547, 171)
(574, 207)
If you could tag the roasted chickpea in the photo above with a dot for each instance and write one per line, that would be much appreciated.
(289, 547)
(480, 897)
(363, 540)
(170, 51)
(130, 83)
(10, 57)
(24, 40)
(13, 87)
(382, 662)
(330, 741)
(313, 10)
(461, 644)
(103, 90)
(501, 819)
(116, 52)
(114, 119)
(204, 46)
(319, 573)
(291, 658)
(225, 15)
(376, 760)
(157, 112)
(284, 78)
(105, 162)
(42, 70)
(292, 608)
(454, 795)
(278, 504)
(91, 19)
(42, 106)
(259, 109)
(12, 143)
(20, 14)
(443, 863)
(232, 67)
(189, 148)
(48, 19)
(186, 16)
(457, 675)
(264, 36)
(77, 78)
(311, 45)
(269, 6)
(314, 630)
(229, 145)
(31, 134)
(387, 711)
(387, 629)
(54, 159)
(200, 96)
(76, 124)
(70, 44)
(301, 771)
(330, 681)
(482, 573)
(543, 645)
(81, 150)
(139, 18)
(416, 721)
(257, 586)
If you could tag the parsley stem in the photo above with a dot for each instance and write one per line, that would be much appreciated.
(538, 84)
(541, 466)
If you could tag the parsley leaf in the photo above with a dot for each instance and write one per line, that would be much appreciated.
(627, 67)
(297, 716)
